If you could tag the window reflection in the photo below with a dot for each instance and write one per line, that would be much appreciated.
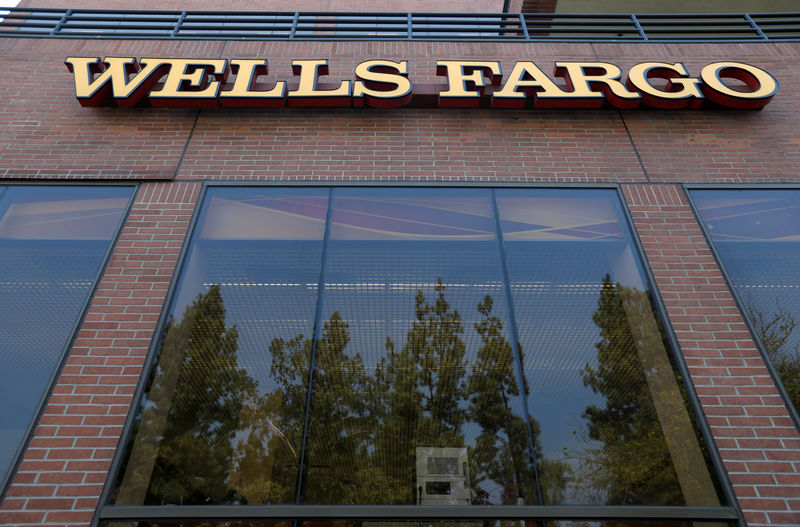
(53, 241)
(614, 424)
(757, 236)
(222, 420)
(456, 356)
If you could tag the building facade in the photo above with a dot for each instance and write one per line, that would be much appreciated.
(328, 308)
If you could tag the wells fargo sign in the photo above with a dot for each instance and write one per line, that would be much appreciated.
(126, 81)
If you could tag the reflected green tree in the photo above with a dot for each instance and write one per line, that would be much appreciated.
(264, 468)
(500, 455)
(341, 420)
(651, 451)
(774, 331)
(208, 435)
(423, 390)
(185, 434)
(632, 465)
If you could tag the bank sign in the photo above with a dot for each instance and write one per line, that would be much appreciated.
(127, 81)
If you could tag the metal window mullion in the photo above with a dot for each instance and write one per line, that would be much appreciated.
(417, 512)
(515, 346)
(312, 358)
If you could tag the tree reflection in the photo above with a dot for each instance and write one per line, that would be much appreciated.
(648, 451)
(421, 390)
(633, 465)
(207, 434)
(501, 448)
(186, 430)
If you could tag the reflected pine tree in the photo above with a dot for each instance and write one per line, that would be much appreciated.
(264, 463)
(500, 455)
(185, 433)
(633, 464)
(422, 388)
(649, 448)
(341, 420)
(207, 435)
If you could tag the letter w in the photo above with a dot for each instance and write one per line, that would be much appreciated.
(92, 91)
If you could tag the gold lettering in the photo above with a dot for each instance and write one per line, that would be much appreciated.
(113, 79)
(307, 92)
(680, 90)
(763, 86)
(580, 76)
(527, 75)
(190, 73)
(373, 73)
(242, 92)
(459, 73)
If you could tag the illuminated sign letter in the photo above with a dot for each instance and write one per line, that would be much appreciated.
(307, 92)
(680, 91)
(113, 79)
(187, 83)
(382, 83)
(243, 92)
(459, 73)
(762, 85)
(582, 77)
(527, 75)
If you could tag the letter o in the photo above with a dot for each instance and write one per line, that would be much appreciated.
(763, 85)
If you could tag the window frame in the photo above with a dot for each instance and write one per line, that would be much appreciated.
(5, 480)
(106, 512)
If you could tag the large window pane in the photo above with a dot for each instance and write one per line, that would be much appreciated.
(464, 347)
(222, 418)
(757, 236)
(53, 241)
(614, 429)
(416, 400)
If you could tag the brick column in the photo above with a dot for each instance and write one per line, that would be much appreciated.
(66, 464)
(751, 426)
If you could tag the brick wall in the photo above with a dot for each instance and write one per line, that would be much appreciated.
(530, 145)
(47, 135)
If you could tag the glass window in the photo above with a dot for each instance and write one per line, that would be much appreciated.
(53, 242)
(413, 346)
(756, 234)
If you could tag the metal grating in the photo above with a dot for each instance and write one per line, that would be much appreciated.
(495, 27)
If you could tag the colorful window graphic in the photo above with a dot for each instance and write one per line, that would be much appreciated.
(756, 234)
(413, 346)
(53, 242)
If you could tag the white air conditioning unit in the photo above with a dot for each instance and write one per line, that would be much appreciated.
(442, 476)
